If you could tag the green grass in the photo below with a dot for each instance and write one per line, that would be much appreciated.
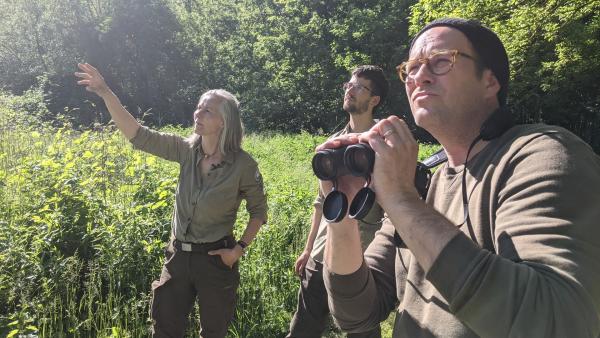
(84, 219)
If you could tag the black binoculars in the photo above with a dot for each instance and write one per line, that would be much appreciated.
(358, 160)
(329, 164)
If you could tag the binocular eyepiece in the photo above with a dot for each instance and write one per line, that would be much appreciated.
(329, 164)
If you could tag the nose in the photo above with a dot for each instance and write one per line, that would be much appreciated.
(351, 87)
(423, 75)
(197, 114)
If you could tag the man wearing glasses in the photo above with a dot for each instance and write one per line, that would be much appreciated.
(364, 93)
(507, 242)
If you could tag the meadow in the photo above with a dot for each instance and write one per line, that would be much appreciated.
(84, 219)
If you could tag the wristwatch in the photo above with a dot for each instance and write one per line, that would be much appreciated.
(242, 245)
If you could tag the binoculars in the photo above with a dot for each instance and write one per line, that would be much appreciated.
(329, 164)
(358, 160)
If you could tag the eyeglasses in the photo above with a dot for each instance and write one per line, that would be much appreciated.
(438, 63)
(353, 85)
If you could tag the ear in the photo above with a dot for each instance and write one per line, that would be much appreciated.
(492, 86)
(375, 99)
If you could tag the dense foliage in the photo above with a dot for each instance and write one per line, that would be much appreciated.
(84, 219)
(286, 59)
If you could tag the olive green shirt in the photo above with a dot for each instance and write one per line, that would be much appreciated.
(367, 227)
(526, 264)
(206, 208)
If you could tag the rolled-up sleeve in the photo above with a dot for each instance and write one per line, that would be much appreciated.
(171, 147)
(253, 191)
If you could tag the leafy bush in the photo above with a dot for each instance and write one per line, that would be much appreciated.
(84, 219)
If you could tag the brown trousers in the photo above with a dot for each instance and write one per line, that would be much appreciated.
(312, 312)
(187, 276)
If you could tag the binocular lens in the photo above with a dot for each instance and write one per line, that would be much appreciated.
(359, 158)
(328, 164)
(323, 166)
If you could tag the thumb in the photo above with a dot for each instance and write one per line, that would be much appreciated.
(215, 252)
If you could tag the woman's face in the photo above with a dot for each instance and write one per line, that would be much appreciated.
(207, 120)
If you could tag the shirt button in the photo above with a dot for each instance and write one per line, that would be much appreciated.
(189, 219)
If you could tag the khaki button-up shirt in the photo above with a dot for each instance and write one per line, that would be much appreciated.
(206, 208)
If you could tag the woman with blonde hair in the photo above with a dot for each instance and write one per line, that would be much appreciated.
(215, 175)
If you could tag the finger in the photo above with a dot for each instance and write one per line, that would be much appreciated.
(83, 82)
(91, 67)
(379, 144)
(377, 126)
(215, 252)
(83, 75)
(85, 67)
(330, 144)
(364, 137)
(401, 128)
(90, 70)
(388, 132)
(339, 141)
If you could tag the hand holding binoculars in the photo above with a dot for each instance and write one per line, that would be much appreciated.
(356, 160)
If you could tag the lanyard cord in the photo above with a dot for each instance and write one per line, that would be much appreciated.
(465, 197)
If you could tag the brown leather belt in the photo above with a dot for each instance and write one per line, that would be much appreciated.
(225, 242)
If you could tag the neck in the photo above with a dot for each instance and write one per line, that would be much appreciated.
(457, 139)
(210, 145)
(361, 122)
(457, 154)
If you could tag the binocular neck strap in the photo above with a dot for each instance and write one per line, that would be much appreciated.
(436, 159)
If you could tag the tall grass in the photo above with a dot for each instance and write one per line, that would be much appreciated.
(84, 219)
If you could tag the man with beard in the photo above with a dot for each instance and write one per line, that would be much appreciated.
(365, 92)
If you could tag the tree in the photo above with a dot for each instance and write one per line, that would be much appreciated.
(553, 51)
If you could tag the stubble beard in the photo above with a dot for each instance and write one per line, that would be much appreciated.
(352, 108)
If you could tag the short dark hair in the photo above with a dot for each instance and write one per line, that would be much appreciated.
(488, 46)
(376, 76)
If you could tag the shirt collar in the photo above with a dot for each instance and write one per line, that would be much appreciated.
(348, 129)
(228, 158)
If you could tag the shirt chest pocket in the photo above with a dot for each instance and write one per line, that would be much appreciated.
(221, 197)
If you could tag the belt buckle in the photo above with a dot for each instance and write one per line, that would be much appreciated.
(186, 247)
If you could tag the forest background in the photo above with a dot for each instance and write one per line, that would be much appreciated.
(284, 59)
(84, 218)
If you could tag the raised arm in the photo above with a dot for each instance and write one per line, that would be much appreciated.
(94, 82)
